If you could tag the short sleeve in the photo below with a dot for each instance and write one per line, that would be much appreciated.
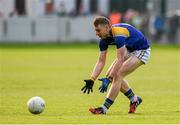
(120, 34)
(103, 45)
(119, 41)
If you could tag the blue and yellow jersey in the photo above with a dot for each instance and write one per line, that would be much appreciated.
(124, 34)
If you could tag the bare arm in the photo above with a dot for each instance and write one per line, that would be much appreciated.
(99, 65)
(119, 61)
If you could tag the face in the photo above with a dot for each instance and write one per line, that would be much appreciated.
(102, 31)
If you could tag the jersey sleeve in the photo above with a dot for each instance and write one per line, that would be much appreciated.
(120, 34)
(103, 45)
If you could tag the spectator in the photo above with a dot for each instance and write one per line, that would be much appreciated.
(151, 27)
(115, 17)
(145, 23)
(128, 16)
(61, 11)
(173, 27)
(159, 27)
(137, 20)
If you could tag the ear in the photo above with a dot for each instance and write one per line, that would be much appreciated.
(108, 27)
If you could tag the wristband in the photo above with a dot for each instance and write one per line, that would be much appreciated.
(110, 78)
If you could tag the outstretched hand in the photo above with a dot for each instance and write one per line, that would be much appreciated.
(104, 84)
(88, 86)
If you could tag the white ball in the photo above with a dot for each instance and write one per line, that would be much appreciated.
(36, 105)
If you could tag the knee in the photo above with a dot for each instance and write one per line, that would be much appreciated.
(120, 75)
(117, 79)
(122, 72)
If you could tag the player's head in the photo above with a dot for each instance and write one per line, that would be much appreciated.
(102, 26)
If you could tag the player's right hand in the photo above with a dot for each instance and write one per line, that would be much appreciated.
(88, 86)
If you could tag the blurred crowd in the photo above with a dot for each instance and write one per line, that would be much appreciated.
(155, 27)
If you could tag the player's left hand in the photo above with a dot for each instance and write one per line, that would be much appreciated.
(104, 84)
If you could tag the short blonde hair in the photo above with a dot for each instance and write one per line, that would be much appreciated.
(101, 20)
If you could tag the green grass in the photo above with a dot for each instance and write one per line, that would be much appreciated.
(56, 73)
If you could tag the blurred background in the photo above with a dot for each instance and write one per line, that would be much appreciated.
(36, 61)
(59, 21)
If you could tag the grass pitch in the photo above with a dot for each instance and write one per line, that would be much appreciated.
(56, 73)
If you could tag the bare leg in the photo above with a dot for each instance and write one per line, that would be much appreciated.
(124, 86)
(119, 84)
(128, 66)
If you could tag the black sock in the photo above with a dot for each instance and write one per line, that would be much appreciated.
(108, 102)
(130, 94)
